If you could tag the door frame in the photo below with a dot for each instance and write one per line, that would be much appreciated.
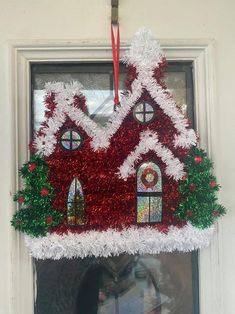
(22, 290)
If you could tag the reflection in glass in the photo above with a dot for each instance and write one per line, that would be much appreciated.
(98, 90)
(176, 83)
(127, 284)
(128, 288)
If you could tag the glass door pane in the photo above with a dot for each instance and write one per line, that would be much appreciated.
(163, 283)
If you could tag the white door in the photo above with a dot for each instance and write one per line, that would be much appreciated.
(42, 32)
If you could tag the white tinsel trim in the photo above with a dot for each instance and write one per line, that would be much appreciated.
(149, 142)
(64, 97)
(112, 242)
(145, 54)
(163, 98)
(73, 88)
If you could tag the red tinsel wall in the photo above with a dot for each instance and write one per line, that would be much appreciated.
(110, 201)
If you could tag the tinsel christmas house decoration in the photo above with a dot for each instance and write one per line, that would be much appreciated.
(137, 185)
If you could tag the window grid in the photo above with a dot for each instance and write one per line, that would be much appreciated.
(144, 113)
(72, 139)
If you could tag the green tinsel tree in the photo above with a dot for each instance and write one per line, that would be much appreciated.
(198, 188)
(36, 214)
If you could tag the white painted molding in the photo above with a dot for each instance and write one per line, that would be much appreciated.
(23, 53)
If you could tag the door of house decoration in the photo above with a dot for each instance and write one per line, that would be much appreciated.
(157, 284)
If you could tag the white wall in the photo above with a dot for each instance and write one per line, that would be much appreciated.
(83, 19)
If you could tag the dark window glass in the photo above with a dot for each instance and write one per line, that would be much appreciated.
(161, 283)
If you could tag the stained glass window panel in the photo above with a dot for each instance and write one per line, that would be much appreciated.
(149, 178)
(142, 209)
(75, 145)
(66, 144)
(155, 208)
(139, 108)
(140, 116)
(148, 117)
(75, 204)
(148, 108)
(66, 136)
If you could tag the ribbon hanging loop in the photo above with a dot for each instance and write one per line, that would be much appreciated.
(116, 57)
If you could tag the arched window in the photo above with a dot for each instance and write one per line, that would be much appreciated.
(75, 204)
(149, 193)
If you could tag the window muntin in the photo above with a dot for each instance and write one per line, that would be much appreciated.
(143, 112)
(60, 284)
(71, 140)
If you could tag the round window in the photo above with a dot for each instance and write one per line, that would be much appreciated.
(71, 140)
(143, 112)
